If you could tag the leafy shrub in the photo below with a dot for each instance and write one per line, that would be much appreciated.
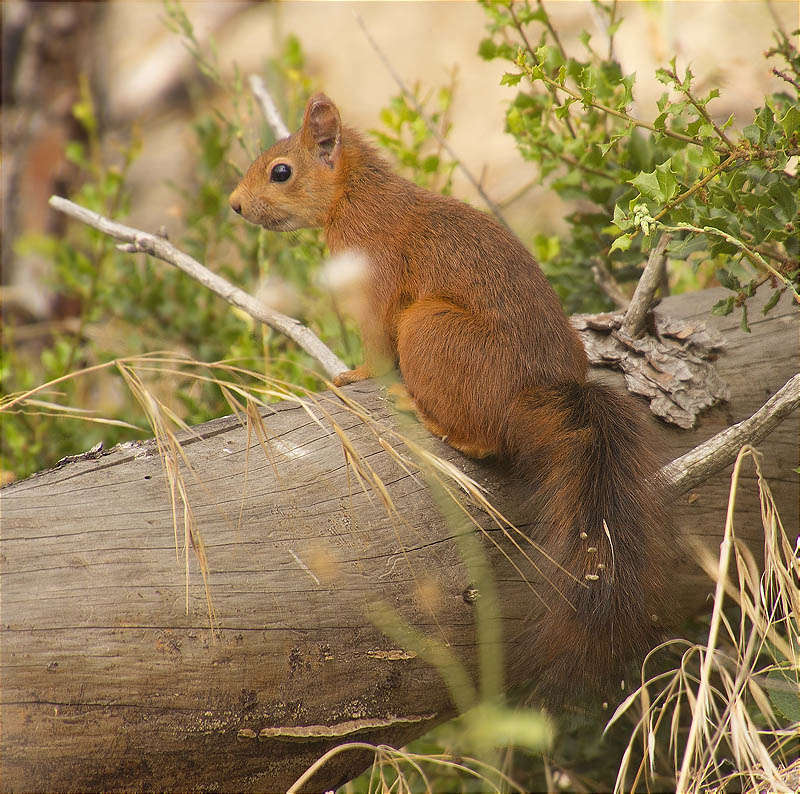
(728, 199)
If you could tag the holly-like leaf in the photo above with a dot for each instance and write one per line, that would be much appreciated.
(622, 243)
(723, 307)
(790, 121)
(667, 183)
(510, 78)
(647, 184)
(728, 280)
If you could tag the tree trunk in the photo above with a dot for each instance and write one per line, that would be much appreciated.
(108, 682)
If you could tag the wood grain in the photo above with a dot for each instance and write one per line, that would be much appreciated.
(107, 682)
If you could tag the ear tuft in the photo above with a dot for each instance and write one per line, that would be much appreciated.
(322, 128)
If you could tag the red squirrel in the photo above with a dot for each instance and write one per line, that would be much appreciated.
(492, 365)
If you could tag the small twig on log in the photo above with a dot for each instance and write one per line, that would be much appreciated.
(495, 210)
(689, 470)
(634, 323)
(143, 242)
(268, 107)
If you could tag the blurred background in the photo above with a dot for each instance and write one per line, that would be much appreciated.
(142, 111)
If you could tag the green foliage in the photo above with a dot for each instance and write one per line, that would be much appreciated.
(87, 271)
(728, 200)
(414, 137)
(134, 304)
(143, 304)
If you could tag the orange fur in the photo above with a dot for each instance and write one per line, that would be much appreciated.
(493, 365)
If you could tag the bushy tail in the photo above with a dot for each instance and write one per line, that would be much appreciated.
(587, 451)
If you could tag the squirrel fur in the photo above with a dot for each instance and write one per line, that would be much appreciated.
(493, 365)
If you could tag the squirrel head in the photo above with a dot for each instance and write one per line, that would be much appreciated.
(293, 184)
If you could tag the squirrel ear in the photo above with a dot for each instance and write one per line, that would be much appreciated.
(322, 129)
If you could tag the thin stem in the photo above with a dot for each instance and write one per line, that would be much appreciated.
(519, 193)
(495, 210)
(613, 111)
(700, 109)
(604, 279)
(700, 710)
(786, 261)
(139, 241)
(634, 323)
(752, 255)
(786, 77)
(697, 465)
(701, 183)
(548, 24)
(268, 107)
(612, 20)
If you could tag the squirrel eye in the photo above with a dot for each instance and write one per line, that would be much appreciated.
(280, 172)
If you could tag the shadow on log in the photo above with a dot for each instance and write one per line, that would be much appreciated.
(108, 684)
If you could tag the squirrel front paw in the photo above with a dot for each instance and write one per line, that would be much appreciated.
(352, 376)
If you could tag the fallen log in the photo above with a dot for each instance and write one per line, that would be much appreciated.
(109, 683)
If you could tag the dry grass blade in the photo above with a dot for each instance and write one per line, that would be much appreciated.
(247, 392)
(386, 757)
(732, 716)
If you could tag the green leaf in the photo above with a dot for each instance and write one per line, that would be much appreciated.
(668, 185)
(790, 123)
(510, 78)
(681, 248)
(622, 243)
(430, 164)
(785, 198)
(773, 299)
(546, 248)
(514, 121)
(765, 121)
(622, 220)
(728, 280)
(724, 307)
(767, 218)
(784, 693)
(743, 322)
(75, 152)
(647, 184)
(751, 133)
(487, 49)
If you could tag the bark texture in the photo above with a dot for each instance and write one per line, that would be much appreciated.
(108, 684)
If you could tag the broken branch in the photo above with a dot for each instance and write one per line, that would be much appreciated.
(268, 107)
(144, 242)
(697, 465)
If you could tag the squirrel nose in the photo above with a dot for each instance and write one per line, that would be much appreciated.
(236, 204)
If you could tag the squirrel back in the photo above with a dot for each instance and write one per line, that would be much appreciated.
(492, 365)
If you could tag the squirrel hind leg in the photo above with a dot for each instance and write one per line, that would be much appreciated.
(450, 360)
(403, 401)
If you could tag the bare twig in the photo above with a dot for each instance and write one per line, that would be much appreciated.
(518, 193)
(786, 77)
(495, 210)
(775, 18)
(700, 108)
(749, 252)
(634, 323)
(689, 470)
(268, 107)
(139, 241)
(520, 29)
(604, 279)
